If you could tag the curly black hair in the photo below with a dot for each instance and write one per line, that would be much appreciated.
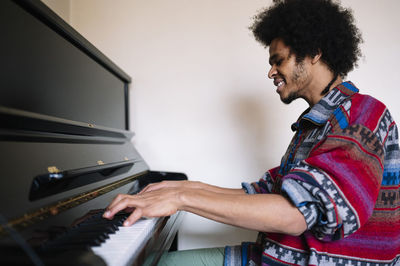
(309, 27)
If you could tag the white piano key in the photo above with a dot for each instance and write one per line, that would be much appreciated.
(124, 244)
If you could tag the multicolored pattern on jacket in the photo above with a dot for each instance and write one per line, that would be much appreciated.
(342, 171)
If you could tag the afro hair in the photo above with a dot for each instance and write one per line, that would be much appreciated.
(309, 27)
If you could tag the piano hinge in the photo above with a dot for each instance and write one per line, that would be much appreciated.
(53, 170)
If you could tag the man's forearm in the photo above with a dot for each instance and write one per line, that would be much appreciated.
(261, 212)
(191, 185)
(216, 189)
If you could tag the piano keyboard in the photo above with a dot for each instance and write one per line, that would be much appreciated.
(124, 245)
(109, 239)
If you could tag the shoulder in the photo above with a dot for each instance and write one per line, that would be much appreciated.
(370, 113)
(367, 111)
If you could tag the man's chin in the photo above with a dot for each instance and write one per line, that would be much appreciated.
(289, 99)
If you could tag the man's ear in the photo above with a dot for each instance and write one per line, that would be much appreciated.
(316, 57)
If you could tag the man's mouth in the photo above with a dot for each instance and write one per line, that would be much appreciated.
(279, 84)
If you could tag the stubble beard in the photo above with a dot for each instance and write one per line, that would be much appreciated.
(290, 98)
(298, 76)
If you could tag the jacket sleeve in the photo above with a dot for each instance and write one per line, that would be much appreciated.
(337, 186)
(266, 184)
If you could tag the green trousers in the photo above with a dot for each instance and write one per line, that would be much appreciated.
(194, 257)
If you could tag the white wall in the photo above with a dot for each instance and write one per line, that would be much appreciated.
(60, 7)
(200, 99)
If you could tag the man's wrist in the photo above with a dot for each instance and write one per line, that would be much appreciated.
(183, 198)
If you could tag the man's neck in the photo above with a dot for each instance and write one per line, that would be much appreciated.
(322, 76)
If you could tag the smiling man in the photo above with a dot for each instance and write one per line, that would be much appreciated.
(297, 79)
(334, 199)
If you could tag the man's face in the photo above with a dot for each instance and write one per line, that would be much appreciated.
(290, 77)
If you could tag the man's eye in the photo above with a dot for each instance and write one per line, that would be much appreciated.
(279, 62)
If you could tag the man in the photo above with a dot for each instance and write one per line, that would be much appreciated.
(334, 200)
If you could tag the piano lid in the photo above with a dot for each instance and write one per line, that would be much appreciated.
(48, 68)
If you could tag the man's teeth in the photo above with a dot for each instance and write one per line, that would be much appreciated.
(281, 83)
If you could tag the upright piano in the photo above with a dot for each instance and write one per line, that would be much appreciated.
(66, 150)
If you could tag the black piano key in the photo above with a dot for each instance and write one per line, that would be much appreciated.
(64, 247)
(91, 232)
(100, 229)
(100, 222)
(86, 237)
(85, 241)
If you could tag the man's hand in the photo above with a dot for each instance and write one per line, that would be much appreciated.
(159, 199)
(163, 201)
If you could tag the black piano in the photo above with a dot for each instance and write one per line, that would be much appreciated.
(66, 151)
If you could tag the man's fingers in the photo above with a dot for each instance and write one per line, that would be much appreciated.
(145, 189)
(121, 202)
(134, 217)
(153, 186)
(149, 204)
(115, 201)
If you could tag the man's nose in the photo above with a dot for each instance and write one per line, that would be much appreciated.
(272, 72)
